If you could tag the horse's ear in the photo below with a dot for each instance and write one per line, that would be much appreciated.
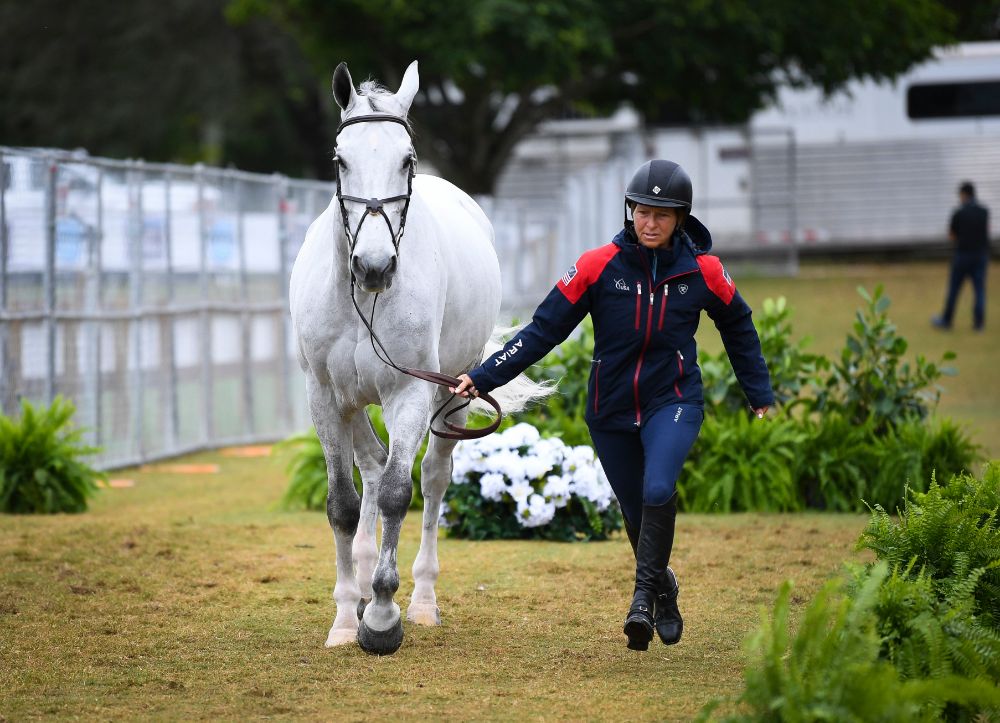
(408, 88)
(343, 87)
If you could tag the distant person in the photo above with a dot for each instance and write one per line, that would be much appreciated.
(970, 238)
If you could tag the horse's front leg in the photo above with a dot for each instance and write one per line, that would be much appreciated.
(342, 506)
(406, 415)
(435, 475)
(370, 457)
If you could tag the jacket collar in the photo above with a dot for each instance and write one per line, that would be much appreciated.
(694, 240)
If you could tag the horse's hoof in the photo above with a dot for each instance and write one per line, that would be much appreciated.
(340, 636)
(423, 614)
(362, 604)
(380, 642)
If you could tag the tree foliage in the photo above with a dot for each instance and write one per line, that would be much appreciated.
(247, 81)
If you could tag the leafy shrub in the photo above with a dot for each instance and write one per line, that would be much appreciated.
(568, 364)
(516, 484)
(871, 380)
(842, 464)
(832, 668)
(792, 369)
(40, 466)
(307, 486)
(743, 464)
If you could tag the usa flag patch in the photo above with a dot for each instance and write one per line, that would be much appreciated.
(568, 276)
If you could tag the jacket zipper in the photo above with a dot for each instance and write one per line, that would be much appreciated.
(663, 307)
(597, 382)
(649, 330)
(642, 353)
(638, 303)
(680, 373)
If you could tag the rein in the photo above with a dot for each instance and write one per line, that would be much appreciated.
(375, 206)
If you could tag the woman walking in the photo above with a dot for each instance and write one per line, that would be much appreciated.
(645, 292)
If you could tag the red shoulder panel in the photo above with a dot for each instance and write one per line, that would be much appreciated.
(716, 278)
(585, 272)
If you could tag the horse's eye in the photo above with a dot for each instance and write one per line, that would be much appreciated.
(340, 162)
(409, 162)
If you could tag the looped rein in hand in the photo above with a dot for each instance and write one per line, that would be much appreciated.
(376, 206)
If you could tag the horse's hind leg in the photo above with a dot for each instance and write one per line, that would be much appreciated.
(435, 475)
(342, 507)
(370, 457)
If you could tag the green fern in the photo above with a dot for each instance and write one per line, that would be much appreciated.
(832, 668)
(40, 465)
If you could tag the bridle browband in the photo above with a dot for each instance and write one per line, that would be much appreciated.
(376, 206)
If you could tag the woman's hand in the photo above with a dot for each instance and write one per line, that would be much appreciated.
(466, 388)
(760, 412)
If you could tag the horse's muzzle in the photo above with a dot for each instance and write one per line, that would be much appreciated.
(374, 279)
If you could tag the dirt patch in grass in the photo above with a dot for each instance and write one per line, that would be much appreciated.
(193, 597)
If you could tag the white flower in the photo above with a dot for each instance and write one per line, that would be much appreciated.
(492, 485)
(535, 511)
(521, 435)
(520, 491)
(508, 463)
(535, 467)
(557, 489)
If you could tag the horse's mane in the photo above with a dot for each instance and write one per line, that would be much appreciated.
(375, 92)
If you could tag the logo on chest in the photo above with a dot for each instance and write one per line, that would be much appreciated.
(682, 288)
(621, 285)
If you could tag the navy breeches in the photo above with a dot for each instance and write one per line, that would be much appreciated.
(643, 465)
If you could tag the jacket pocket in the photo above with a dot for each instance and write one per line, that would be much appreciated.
(597, 383)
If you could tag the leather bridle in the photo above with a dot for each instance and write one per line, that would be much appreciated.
(376, 206)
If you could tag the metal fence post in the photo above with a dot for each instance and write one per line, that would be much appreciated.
(5, 380)
(49, 277)
(208, 393)
(285, 403)
(172, 426)
(135, 226)
(246, 327)
(92, 304)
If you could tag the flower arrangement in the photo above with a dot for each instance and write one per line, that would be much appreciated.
(517, 484)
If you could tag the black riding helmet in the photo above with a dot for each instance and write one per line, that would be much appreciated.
(660, 183)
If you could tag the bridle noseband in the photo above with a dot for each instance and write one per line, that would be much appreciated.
(375, 206)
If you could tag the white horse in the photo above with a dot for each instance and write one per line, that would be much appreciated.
(437, 285)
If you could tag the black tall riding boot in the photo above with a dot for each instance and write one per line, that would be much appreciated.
(669, 624)
(656, 539)
(633, 535)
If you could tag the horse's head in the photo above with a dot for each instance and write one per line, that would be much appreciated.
(375, 162)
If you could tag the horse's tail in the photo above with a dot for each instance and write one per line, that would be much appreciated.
(518, 393)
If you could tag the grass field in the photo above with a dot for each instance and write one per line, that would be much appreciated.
(190, 597)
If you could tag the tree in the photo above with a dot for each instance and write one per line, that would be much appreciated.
(247, 82)
(164, 80)
(492, 70)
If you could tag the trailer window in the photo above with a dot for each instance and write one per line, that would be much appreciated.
(953, 100)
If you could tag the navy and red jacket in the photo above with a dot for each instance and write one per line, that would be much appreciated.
(645, 355)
